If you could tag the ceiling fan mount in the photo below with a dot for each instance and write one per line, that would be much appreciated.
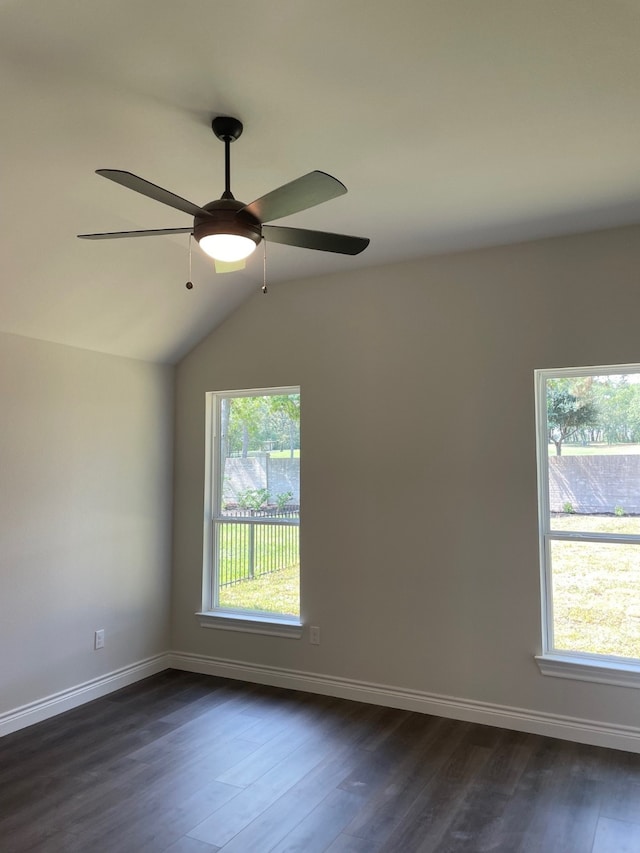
(229, 230)
(227, 128)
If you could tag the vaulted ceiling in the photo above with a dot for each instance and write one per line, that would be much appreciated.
(455, 124)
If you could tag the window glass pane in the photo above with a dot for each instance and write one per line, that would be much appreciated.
(260, 456)
(596, 597)
(259, 567)
(593, 427)
(258, 503)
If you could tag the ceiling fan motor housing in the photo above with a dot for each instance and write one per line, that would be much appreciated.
(227, 217)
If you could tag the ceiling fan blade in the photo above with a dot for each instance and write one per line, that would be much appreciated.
(324, 241)
(155, 232)
(229, 266)
(304, 192)
(139, 185)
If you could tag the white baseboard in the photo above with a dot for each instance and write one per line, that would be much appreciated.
(519, 719)
(49, 706)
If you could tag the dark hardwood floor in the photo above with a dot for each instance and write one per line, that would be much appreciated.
(184, 763)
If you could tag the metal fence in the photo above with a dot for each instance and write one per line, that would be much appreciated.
(249, 549)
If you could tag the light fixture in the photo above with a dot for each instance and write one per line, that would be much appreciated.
(228, 233)
(227, 247)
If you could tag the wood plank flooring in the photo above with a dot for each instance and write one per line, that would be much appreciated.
(184, 763)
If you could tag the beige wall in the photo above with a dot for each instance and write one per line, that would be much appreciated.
(85, 509)
(419, 530)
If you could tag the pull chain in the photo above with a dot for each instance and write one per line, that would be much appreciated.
(264, 266)
(189, 284)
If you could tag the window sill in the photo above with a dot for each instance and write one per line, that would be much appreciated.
(590, 668)
(290, 628)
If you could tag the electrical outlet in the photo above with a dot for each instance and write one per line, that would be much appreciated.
(98, 639)
(314, 635)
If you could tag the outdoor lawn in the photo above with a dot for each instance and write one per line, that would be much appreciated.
(259, 567)
(596, 588)
(277, 592)
(569, 449)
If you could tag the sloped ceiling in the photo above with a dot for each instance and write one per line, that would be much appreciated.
(454, 124)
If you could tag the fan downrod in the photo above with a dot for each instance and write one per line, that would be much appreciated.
(226, 128)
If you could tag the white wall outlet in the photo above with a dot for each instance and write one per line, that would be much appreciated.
(98, 639)
(314, 635)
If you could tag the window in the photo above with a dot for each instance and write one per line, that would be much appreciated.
(252, 519)
(589, 498)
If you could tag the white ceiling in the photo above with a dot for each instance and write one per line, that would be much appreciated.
(454, 124)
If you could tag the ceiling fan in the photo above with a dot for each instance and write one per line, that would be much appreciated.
(228, 230)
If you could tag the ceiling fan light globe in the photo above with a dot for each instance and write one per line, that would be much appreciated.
(227, 247)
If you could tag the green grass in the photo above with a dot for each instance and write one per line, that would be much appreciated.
(278, 592)
(596, 449)
(274, 547)
(596, 588)
(612, 524)
(273, 552)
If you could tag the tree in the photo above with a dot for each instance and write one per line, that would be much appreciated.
(251, 423)
(570, 410)
(245, 422)
(288, 407)
(618, 402)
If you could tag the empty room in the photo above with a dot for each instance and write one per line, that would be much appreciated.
(320, 395)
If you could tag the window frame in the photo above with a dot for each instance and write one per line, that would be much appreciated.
(583, 666)
(212, 615)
